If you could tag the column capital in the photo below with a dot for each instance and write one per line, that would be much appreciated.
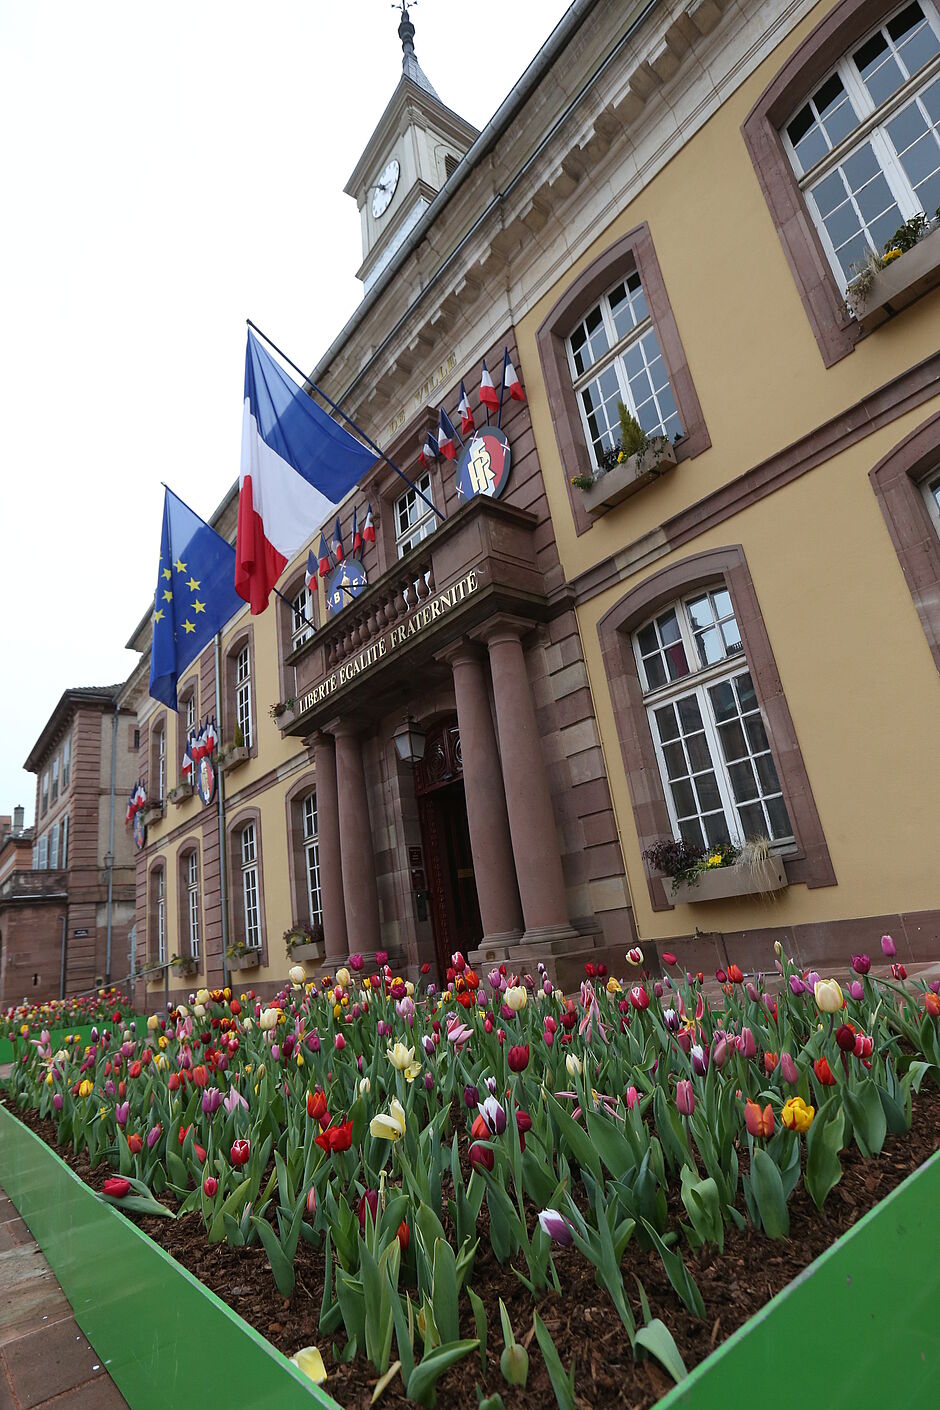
(460, 651)
(343, 727)
(505, 626)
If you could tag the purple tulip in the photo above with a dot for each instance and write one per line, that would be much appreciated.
(747, 1046)
(471, 1096)
(109, 1088)
(121, 1113)
(494, 1115)
(57, 1102)
(496, 980)
(685, 1098)
(752, 992)
(888, 947)
(719, 1052)
(276, 1052)
(788, 1069)
(812, 979)
(382, 1029)
(234, 1100)
(934, 985)
(153, 1136)
(428, 1082)
(287, 1047)
(313, 1042)
(556, 1226)
(492, 1086)
(211, 1100)
(856, 989)
(861, 964)
(405, 1008)
(427, 1043)
(546, 987)
(699, 1060)
(671, 1020)
(658, 989)
(796, 985)
(94, 1035)
(506, 1013)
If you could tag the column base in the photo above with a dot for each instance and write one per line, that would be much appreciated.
(560, 948)
(494, 949)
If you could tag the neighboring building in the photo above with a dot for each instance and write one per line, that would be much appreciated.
(54, 898)
(664, 213)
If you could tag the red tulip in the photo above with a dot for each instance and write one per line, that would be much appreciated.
(200, 1075)
(336, 1138)
(240, 1152)
(932, 1004)
(209, 1185)
(316, 1106)
(370, 1199)
(116, 1186)
(173, 1082)
(735, 974)
(898, 971)
(481, 1158)
(639, 997)
(824, 1072)
(134, 1070)
(479, 1130)
(404, 1236)
(518, 1057)
(200, 1153)
(845, 1037)
(669, 958)
(135, 1144)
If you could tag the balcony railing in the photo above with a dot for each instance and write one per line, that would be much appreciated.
(33, 882)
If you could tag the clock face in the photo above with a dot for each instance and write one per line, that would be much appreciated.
(385, 188)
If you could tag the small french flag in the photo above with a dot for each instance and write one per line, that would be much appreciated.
(466, 414)
(310, 576)
(336, 543)
(511, 379)
(356, 533)
(323, 558)
(488, 394)
(368, 528)
(446, 436)
(429, 451)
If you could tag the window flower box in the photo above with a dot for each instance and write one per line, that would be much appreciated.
(630, 475)
(723, 883)
(251, 959)
(180, 794)
(312, 950)
(900, 283)
(185, 966)
(233, 758)
(151, 813)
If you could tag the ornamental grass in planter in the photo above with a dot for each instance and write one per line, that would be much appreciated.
(621, 1167)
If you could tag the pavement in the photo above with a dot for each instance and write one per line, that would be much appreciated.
(45, 1360)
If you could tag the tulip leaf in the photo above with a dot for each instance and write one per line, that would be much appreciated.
(575, 1137)
(611, 1145)
(232, 1205)
(680, 1277)
(281, 1265)
(422, 1383)
(703, 1206)
(562, 1381)
(403, 1331)
(823, 1144)
(657, 1339)
(385, 1380)
(767, 1187)
(868, 1117)
(444, 1291)
(479, 1318)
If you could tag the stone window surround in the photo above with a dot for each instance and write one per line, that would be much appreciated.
(190, 847)
(897, 482)
(154, 871)
(810, 863)
(233, 842)
(283, 615)
(245, 637)
(158, 727)
(834, 328)
(293, 807)
(633, 251)
(389, 487)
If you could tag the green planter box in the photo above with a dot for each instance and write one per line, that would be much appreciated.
(163, 1337)
(857, 1328)
(57, 1035)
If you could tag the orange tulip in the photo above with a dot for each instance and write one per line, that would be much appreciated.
(760, 1123)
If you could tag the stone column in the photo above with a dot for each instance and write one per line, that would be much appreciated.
(355, 838)
(528, 797)
(488, 821)
(331, 866)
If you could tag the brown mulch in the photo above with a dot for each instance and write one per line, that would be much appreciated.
(734, 1285)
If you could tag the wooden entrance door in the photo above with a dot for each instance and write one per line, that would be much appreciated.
(455, 910)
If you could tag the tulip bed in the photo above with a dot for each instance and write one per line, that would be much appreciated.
(426, 1151)
(59, 1016)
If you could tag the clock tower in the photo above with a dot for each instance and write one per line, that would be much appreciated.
(417, 144)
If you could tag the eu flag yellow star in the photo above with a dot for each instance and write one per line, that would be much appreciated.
(193, 585)
(199, 606)
(167, 573)
(167, 595)
(180, 566)
(189, 626)
(158, 615)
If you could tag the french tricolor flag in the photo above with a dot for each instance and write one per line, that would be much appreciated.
(297, 464)
(356, 532)
(446, 436)
(310, 576)
(368, 528)
(488, 393)
(511, 379)
(323, 558)
(336, 543)
(466, 413)
(429, 451)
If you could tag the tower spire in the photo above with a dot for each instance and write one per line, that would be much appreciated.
(409, 60)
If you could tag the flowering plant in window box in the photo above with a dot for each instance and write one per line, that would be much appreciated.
(910, 266)
(243, 956)
(152, 811)
(282, 707)
(180, 793)
(184, 965)
(231, 755)
(639, 459)
(304, 942)
(719, 873)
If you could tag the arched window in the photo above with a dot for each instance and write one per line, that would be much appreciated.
(251, 900)
(311, 846)
(158, 914)
(189, 902)
(719, 778)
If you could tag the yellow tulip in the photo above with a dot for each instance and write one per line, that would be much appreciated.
(389, 1127)
(309, 1360)
(86, 1088)
(613, 985)
(153, 1022)
(828, 996)
(797, 1115)
(401, 1057)
(516, 998)
(202, 996)
(297, 974)
(300, 1059)
(342, 977)
(199, 1010)
(48, 1079)
(159, 1060)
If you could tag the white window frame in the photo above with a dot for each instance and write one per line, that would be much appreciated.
(243, 693)
(44, 795)
(160, 911)
(54, 847)
(55, 779)
(191, 712)
(696, 682)
(930, 489)
(161, 764)
(420, 520)
(311, 847)
(44, 852)
(192, 902)
(301, 617)
(871, 128)
(617, 347)
(64, 848)
(251, 886)
(66, 762)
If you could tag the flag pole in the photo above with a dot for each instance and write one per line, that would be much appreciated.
(502, 388)
(220, 796)
(357, 428)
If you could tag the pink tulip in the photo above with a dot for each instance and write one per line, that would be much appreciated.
(747, 1047)
(888, 947)
(339, 1042)
(856, 989)
(788, 1069)
(632, 1097)
(685, 1098)
(861, 964)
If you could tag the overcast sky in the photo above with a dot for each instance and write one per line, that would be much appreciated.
(165, 172)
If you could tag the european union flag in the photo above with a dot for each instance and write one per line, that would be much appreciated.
(195, 595)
